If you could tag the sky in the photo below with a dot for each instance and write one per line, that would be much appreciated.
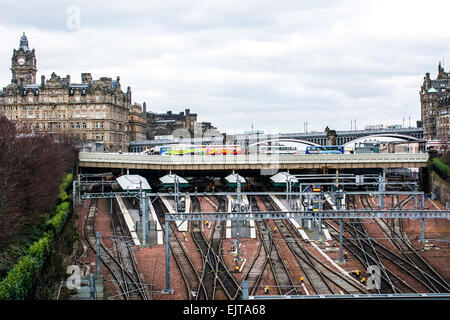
(273, 65)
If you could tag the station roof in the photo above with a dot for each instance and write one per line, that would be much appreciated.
(131, 182)
(281, 177)
(169, 180)
(232, 179)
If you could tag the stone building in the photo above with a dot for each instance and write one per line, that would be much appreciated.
(164, 124)
(90, 111)
(137, 121)
(435, 101)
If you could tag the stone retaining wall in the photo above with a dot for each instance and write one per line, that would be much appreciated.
(439, 187)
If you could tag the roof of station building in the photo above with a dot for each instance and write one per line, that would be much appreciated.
(282, 177)
(132, 182)
(170, 179)
(232, 178)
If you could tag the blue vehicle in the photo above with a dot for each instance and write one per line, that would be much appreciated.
(325, 150)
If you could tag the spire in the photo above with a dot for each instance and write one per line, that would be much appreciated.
(440, 69)
(24, 42)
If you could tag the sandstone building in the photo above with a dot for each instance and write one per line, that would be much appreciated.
(90, 111)
(435, 101)
(137, 123)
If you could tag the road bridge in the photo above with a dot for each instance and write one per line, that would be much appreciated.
(251, 161)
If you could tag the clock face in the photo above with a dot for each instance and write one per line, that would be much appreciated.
(21, 60)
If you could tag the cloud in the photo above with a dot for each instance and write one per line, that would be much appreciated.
(274, 64)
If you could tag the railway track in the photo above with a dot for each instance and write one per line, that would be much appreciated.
(283, 280)
(382, 251)
(423, 271)
(194, 286)
(226, 279)
(369, 253)
(390, 282)
(208, 280)
(134, 286)
(320, 276)
(122, 276)
(214, 268)
(255, 271)
(213, 257)
(363, 250)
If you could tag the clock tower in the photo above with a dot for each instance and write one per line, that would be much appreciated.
(23, 64)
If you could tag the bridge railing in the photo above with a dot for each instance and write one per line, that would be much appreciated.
(253, 158)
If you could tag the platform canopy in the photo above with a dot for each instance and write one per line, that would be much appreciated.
(169, 180)
(281, 178)
(232, 180)
(132, 182)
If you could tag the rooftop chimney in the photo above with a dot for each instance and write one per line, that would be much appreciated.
(86, 78)
(128, 93)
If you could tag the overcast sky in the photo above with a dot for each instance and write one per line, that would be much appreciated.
(273, 64)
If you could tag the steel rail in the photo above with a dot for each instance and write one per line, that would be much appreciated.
(137, 281)
(89, 224)
(282, 276)
(400, 239)
(183, 261)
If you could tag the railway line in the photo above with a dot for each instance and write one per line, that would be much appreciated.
(212, 255)
(126, 258)
(422, 270)
(398, 285)
(283, 279)
(322, 278)
(214, 268)
(208, 280)
(194, 286)
(226, 279)
(255, 271)
(129, 283)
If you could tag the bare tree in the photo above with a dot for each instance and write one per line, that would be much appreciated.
(31, 169)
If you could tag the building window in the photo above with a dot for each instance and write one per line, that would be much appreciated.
(84, 125)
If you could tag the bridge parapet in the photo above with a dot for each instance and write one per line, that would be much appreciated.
(252, 161)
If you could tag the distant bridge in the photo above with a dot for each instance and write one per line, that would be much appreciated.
(310, 138)
(320, 138)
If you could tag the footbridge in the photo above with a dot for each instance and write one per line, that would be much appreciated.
(252, 161)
